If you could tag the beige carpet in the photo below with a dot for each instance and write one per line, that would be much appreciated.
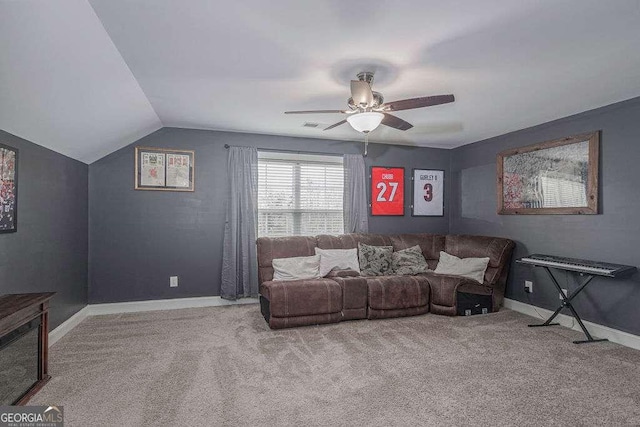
(223, 366)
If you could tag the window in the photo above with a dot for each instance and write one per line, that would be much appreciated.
(299, 194)
(562, 190)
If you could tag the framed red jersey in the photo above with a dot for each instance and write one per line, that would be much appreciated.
(387, 191)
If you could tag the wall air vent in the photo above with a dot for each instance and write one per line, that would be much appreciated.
(310, 125)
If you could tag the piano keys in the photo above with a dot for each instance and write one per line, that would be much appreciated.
(596, 268)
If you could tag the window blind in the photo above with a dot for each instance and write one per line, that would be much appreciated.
(299, 194)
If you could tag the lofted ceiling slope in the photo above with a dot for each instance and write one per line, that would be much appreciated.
(63, 83)
(86, 78)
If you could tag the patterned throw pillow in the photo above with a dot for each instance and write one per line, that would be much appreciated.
(374, 260)
(409, 261)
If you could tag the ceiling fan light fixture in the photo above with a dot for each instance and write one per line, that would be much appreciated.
(365, 122)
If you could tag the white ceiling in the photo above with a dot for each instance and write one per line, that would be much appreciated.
(63, 83)
(68, 84)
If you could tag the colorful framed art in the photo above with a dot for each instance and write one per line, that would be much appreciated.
(164, 169)
(428, 192)
(387, 191)
(8, 189)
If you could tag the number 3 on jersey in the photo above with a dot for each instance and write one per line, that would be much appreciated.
(428, 192)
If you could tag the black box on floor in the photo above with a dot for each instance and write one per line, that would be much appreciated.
(265, 308)
(470, 304)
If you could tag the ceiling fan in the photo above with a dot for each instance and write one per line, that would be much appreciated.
(367, 109)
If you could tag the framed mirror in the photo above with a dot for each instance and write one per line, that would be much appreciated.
(552, 177)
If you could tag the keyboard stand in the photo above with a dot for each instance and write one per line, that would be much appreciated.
(566, 302)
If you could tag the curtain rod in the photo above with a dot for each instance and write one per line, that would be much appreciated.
(275, 150)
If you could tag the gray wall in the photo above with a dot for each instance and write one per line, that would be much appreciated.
(612, 236)
(140, 238)
(49, 250)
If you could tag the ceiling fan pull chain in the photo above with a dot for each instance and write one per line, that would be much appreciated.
(366, 143)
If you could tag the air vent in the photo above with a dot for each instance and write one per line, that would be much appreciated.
(310, 125)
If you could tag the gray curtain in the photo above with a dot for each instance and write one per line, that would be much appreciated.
(239, 258)
(356, 210)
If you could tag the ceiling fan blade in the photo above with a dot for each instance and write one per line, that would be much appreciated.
(361, 93)
(425, 101)
(335, 125)
(395, 122)
(316, 112)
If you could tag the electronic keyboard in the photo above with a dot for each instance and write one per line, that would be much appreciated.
(595, 268)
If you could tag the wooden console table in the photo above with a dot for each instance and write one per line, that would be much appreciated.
(20, 313)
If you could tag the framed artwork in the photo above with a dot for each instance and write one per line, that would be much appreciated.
(553, 177)
(164, 169)
(428, 192)
(8, 189)
(387, 191)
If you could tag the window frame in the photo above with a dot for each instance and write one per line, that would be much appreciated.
(296, 159)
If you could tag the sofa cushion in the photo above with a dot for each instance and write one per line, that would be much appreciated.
(409, 261)
(374, 260)
(395, 292)
(495, 248)
(473, 268)
(296, 268)
(342, 273)
(350, 241)
(340, 259)
(302, 297)
(431, 245)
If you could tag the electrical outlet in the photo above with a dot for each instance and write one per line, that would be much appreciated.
(528, 286)
(565, 292)
(173, 281)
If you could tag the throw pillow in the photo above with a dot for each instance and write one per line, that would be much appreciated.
(340, 259)
(296, 268)
(374, 260)
(473, 268)
(409, 261)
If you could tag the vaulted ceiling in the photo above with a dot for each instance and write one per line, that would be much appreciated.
(85, 78)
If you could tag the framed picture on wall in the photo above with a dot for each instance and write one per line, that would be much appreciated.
(387, 191)
(428, 192)
(552, 177)
(8, 189)
(164, 169)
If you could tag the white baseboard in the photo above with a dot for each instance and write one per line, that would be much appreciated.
(163, 304)
(68, 325)
(139, 306)
(613, 335)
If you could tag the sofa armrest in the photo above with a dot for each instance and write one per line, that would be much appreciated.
(302, 297)
(444, 288)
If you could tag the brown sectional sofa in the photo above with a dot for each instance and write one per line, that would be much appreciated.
(345, 296)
